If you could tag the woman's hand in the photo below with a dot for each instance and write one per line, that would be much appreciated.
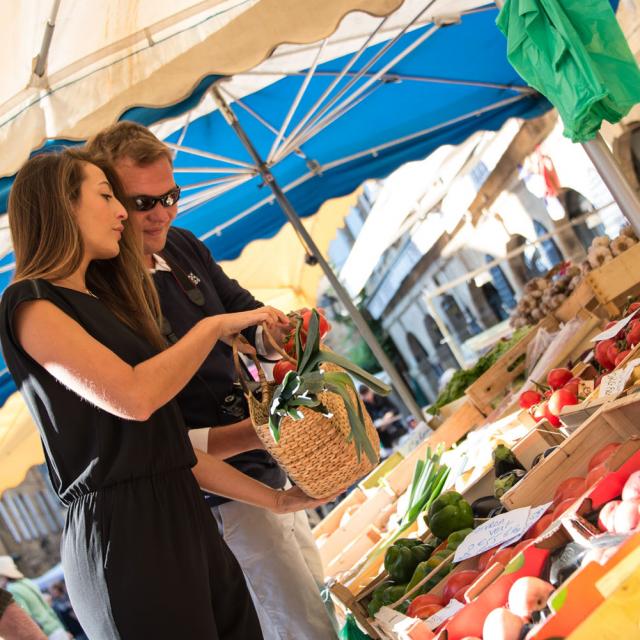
(295, 499)
(229, 325)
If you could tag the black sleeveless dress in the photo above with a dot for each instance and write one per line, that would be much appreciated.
(141, 553)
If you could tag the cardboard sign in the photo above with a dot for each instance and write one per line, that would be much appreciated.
(614, 383)
(493, 533)
(444, 614)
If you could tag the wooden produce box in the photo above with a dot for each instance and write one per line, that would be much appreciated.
(613, 422)
(614, 281)
(361, 519)
(491, 385)
(466, 418)
(332, 520)
(582, 297)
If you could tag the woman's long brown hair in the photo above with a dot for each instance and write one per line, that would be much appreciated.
(47, 242)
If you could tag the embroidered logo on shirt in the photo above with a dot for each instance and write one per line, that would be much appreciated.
(194, 278)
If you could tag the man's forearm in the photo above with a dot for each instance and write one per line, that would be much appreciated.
(15, 624)
(224, 442)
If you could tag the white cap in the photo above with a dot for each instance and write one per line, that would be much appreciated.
(8, 568)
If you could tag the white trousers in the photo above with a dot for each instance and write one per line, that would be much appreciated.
(283, 569)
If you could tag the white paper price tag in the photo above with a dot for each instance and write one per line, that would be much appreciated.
(614, 383)
(535, 514)
(613, 331)
(444, 614)
(493, 533)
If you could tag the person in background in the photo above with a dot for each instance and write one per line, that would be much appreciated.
(15, 624)
(28, 596)
(62, 606)
(386, 417)
(277, 553)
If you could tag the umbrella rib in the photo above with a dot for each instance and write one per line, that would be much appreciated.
(294, 138)
(208, 154)
(332, 86)
(209, 183)
(396, 76)
(229, 170)
(423, 132)
(319, 124)
(248, 109)
(296, 101)
(190, 202)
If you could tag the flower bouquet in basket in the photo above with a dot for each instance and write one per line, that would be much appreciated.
(313, 421)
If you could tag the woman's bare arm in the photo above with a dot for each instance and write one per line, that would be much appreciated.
(87, 367)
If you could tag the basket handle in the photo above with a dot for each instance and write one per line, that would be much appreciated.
(275, 346)
(240, 339)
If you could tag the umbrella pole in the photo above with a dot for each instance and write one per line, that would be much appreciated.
(611, 174)
(361, 324)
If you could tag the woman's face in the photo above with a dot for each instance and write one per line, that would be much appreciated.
(99, 215)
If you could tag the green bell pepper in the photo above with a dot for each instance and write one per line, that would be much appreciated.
(400, 561)
(448, 513)
(425, 568)
(456, 538)
(407, 542)
(376, 598)
(393, 593)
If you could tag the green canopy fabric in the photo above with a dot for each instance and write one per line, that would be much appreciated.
(575, 54)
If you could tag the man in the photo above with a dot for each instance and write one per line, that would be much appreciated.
(28, 596)
(277, 553)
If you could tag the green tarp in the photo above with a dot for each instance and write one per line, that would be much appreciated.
(575, 54)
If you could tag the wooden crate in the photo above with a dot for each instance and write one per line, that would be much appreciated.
(332, 520)
(582, 297)
(361, 519)
(616, 421)
(615, 280)
(492, 384)
(466, 418)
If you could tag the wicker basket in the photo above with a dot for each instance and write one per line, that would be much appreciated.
(314, 451)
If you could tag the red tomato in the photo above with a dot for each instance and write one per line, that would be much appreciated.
(573, 385)
(613, 352)
(529, 398)
(562, 507)
(601, 352)
(621, 356)
(281, 369)
(539, 527)
(569, 488)
(520, 546)
(419, 603)
(560, 399)
(485, 559)
(424, 612)
(503, 556)
(634, 306)
(455, 582)
(603, 455)
(633, 333)
(557, 378)
(538, 411)
(323, 327)
(553, 419)
(595, 474)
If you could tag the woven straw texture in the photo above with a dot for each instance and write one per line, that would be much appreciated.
(314, 451)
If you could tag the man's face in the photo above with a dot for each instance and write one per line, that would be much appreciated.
(155, 179)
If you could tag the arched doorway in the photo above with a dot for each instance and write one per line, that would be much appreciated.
(500, 287)
(549, 251)
(462, 327)
(576, 205)
(431, 370)
(444, 354)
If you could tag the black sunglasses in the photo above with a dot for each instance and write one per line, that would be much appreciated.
(146, 203)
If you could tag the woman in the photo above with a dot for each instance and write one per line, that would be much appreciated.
(79, 331)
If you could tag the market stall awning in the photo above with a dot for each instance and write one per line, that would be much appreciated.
(20, 445)
(289, 283)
